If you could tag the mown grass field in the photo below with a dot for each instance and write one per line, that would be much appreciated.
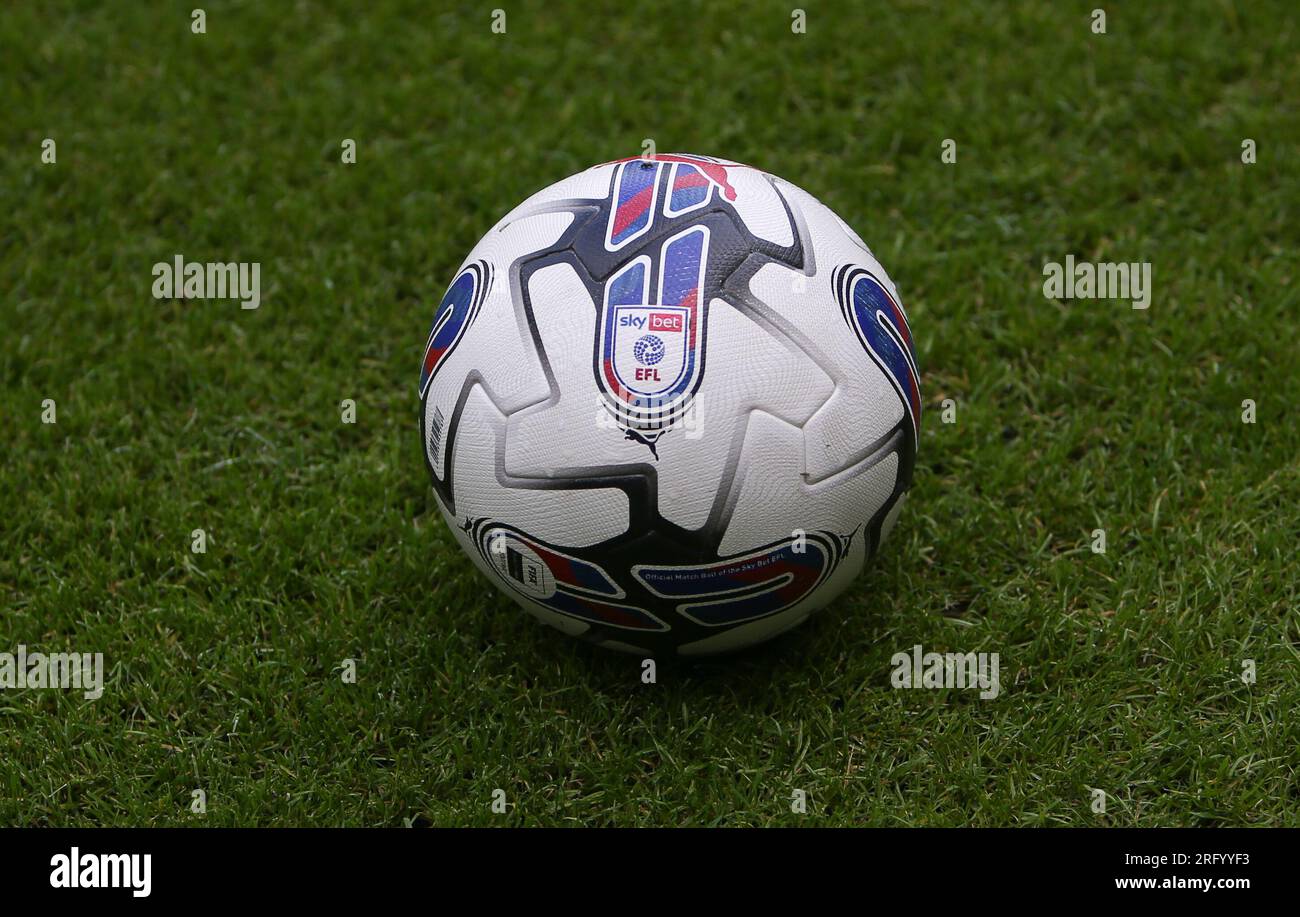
(1121, 671)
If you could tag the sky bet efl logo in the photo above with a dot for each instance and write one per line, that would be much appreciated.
(665, 333)
(650, 342)
(649, 349)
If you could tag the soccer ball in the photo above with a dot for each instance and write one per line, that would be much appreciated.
(670, 405)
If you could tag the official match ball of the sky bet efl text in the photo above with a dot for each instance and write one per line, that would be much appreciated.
(670, 405)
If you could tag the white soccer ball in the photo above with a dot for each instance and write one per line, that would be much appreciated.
(670, 405)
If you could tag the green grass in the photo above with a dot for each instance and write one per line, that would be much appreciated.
(1120, 671)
